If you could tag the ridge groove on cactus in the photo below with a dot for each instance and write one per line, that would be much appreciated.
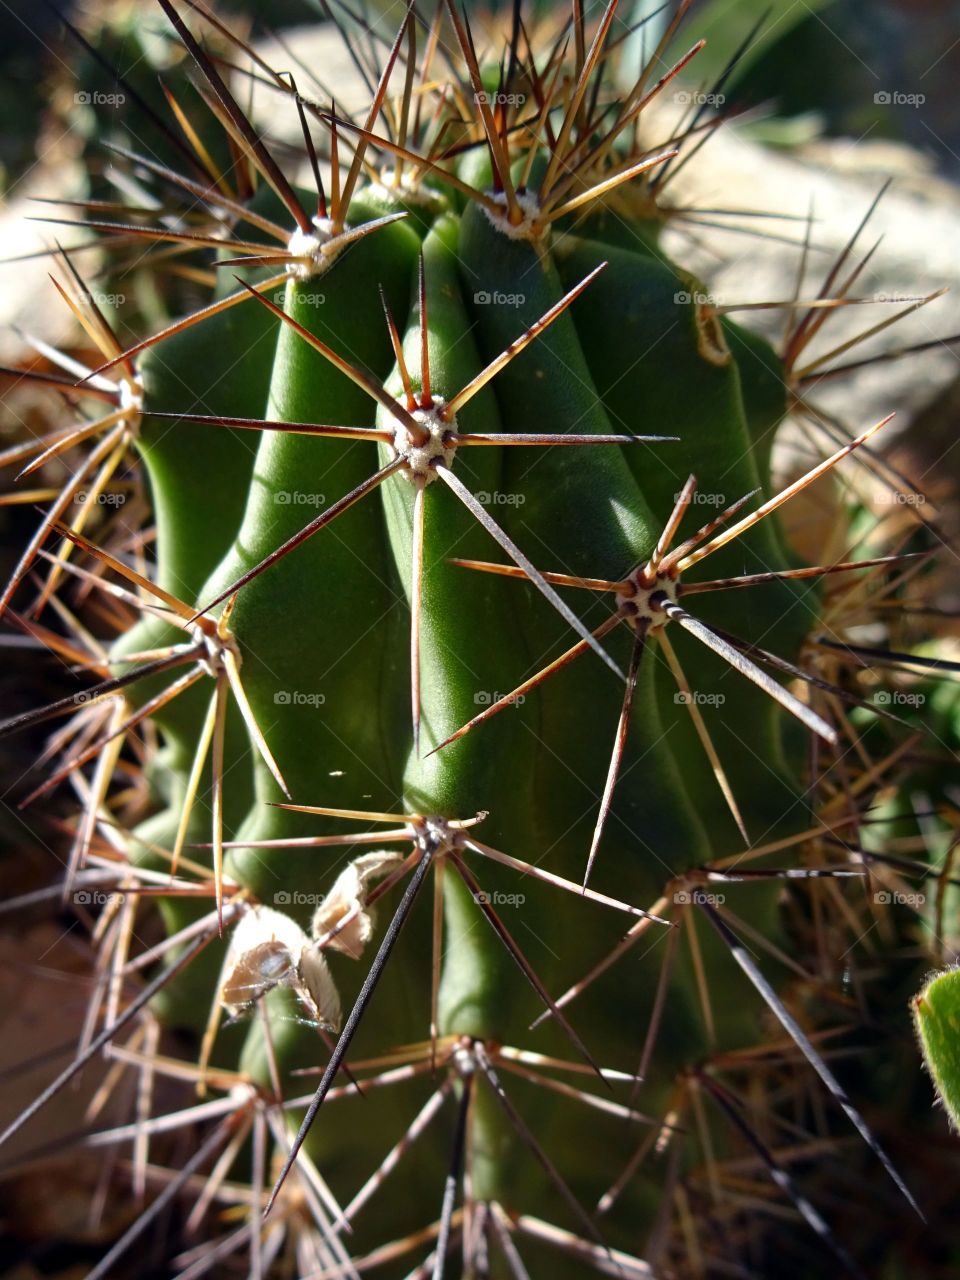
(501, 846)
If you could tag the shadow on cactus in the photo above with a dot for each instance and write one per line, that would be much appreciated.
(676, 870)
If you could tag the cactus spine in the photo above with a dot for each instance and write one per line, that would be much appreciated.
(433, 689)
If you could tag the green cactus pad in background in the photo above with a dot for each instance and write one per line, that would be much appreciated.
(936, 1012)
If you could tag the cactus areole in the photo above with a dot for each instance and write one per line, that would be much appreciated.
(453, 770)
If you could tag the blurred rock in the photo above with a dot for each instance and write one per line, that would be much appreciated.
(917, 222)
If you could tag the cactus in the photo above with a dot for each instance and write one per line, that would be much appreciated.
(425, 466)
(935, 1012)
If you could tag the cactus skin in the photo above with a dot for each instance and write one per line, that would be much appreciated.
(322, 638)
(342, 588)
(936, 1012)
